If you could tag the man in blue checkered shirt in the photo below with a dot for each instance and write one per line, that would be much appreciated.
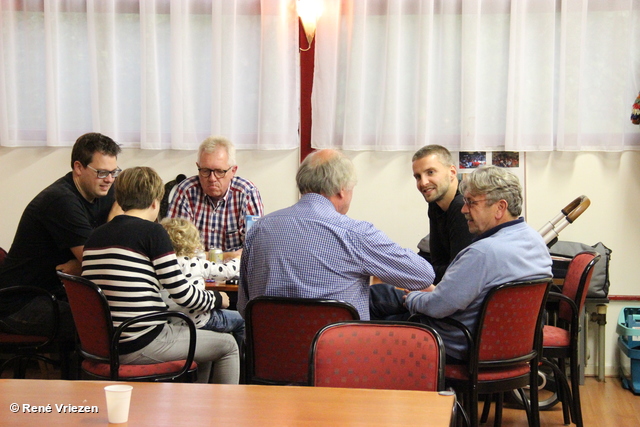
(313, 250)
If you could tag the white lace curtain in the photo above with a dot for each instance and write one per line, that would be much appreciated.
(390, 74)
(472, 75)
(153, 74)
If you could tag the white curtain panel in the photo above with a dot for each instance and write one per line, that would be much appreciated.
(154, 74)
(520, 75)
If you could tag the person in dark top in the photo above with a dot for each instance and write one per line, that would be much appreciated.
(436, 179)
(52, 232)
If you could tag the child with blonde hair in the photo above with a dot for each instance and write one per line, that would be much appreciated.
(187, 245)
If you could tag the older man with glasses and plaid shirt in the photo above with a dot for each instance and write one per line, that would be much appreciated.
(216, 200)
(52, 232)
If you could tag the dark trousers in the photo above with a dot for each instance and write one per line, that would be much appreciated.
(386, 302)
(35, 319)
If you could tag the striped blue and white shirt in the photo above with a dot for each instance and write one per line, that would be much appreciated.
(131, 260)
(309, 250)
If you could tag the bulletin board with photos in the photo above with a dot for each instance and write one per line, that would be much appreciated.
(468, 161)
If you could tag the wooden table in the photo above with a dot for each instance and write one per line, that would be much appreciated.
(222, 287)
(174, 404)
(230, 289)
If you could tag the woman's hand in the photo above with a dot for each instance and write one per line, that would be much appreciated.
(225, 300)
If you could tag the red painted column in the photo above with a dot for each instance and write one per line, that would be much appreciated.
(306, 86)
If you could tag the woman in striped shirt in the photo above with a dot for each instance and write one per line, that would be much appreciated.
(131, 259)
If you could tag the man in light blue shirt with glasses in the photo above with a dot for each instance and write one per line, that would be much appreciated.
(506, 249)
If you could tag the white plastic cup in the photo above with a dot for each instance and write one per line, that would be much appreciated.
(118, 399)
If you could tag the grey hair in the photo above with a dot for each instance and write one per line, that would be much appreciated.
(496, 184)
(214, 143)
(326, 172)
(443, 154)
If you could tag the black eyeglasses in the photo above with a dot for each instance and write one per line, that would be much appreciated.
(218, 173)
(472, 203)
(103, 173)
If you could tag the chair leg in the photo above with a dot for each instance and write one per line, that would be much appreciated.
(531, 404)
(243, 363)
(65, 366)
(468, 414)
(473, 406)
(563, 390)
(44, 370)
(527, 405)
(575, 391)
(534, 420)
(20, 370)
(497, 421)
(462, 419)
(486, 408)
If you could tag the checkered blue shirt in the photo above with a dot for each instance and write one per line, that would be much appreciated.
(311, 251)
(221, 224)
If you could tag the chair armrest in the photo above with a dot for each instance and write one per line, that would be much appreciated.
(555, 288)
(474, 364)
(573, 327)
(115, 361)
(428, 320)
(558, 297)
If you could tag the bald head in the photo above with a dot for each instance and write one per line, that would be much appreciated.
(325, 172)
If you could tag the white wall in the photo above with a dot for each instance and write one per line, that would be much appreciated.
(612, 183)
(24, 172)
(386, 196)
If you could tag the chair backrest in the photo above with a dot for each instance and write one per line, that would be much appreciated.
(576, 282)
(379, 355)
(169, 189)
(510, 320)
(279, 332)
(3, 255)
(91, 316)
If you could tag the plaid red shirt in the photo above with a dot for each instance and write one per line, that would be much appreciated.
(221, 224)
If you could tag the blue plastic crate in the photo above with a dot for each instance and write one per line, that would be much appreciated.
(628, 329)
(629, 326)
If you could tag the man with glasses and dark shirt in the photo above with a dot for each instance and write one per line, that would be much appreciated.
(216, 200)
(52, 232)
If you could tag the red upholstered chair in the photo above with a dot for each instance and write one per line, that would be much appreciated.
(99, 340)
(504, 350)
(560, 342)
(379, 355)
(279, 332)
(3, 255)
(22, 348)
